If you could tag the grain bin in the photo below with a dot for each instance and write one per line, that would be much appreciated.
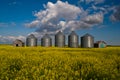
(18, 43)
(31, 40)
(73, 40)
(87, 41)
(46, 41)
(59, 39)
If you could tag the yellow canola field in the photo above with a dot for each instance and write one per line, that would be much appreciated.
(40, 63)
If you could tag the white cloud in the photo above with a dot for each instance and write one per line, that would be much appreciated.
(103, 8)
(52, 17)
(86, 22)
(33, 24)
(62, 16)
(10, 39)
(94, 1)
(76, 25)
(116, 14)
(14, 3)
(94, 19)
(3, 24)
(59, 10)
(99, 1)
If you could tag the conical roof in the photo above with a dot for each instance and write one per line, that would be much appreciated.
(87, 35)
(17, 40)
(60, 33)
(73, 33)
(31, 36)
(46, 36)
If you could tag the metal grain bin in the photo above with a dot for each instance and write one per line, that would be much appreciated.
(59, 39)
(87, 41)
(31, 40)
(46, 41)
(73, 40)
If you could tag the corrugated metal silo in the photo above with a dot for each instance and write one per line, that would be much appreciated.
(46, 41)
(31, 40)
(59, 39)
(87, 41)
(73, 40)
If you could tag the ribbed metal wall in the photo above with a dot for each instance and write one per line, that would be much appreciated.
(46, 41)
(73, 40)
(59, 39)
(31, 40)
(87, 41)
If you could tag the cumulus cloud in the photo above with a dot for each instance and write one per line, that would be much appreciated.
(50, 18)
(116, 14)
(94, 19)
(33, 24)
(86, 22)
(10, 39)
(62, 16)
(59, 10)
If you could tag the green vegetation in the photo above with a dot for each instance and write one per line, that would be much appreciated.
(39, 63)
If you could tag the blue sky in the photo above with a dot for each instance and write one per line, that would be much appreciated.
(100, 18)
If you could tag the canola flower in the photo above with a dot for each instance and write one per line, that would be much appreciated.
(40, 63)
